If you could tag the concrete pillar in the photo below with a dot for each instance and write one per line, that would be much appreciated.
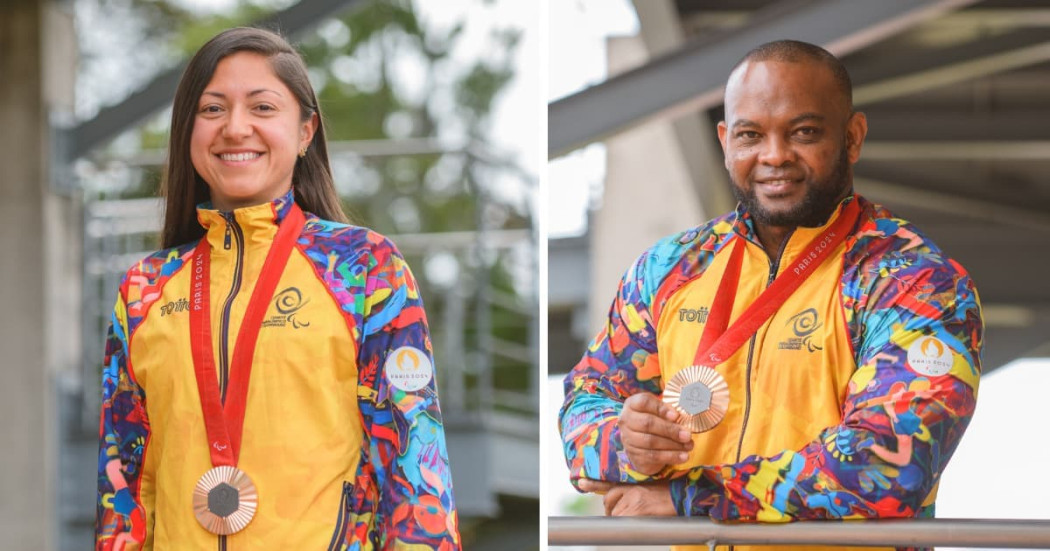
(661, 177)
(39, 269)
(662, 32)
(649, 193)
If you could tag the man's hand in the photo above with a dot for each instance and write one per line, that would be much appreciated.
(640, 500)
(632, 500)
(651, 437)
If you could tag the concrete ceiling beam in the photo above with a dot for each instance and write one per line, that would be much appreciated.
(692, 77)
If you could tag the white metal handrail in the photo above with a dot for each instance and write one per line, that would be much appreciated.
(855, 533)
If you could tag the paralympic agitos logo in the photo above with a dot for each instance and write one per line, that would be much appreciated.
(803, 324)
(288, 303)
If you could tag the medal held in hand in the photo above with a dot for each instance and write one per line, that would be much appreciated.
(700, 394)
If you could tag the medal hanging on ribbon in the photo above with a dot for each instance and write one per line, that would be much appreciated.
(225, 499)
(699, 393)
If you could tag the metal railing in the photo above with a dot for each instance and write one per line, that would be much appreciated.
(1000, 533)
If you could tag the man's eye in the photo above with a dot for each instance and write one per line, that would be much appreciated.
(808, 131)
(747, 135)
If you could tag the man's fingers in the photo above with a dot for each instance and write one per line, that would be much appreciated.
(649, 438)
(644, 402)
(647, 441)
(612, 497)
(624, 504)
(649, 453)
(651, 424)
(594, 486)
(659, 457)
(645, 413)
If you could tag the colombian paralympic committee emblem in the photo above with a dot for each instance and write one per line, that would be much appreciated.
(288, 303)
(408, 369)
(803, 324)
(930, 356)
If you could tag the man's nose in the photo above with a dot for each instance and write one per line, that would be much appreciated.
(776, 151)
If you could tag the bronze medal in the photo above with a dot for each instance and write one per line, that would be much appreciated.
(700, 395)
(225, 500)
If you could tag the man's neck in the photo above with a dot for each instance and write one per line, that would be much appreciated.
(772, 237)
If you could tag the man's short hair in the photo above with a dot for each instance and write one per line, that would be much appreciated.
(795, 51)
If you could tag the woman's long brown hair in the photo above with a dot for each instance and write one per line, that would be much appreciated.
(183, 189)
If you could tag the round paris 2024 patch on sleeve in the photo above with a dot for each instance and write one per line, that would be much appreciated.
(408, 369)
(930, 356)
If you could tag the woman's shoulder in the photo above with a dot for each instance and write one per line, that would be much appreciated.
(344, 239)
(160, 264)
(143, 281)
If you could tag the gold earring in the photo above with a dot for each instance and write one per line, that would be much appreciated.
(302, 152)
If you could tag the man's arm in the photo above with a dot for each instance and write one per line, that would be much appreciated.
(905, 411)
(621, 362)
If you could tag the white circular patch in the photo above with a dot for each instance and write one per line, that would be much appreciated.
(930, 356)
(408, 369)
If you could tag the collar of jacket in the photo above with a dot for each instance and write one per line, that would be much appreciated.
(257, 224)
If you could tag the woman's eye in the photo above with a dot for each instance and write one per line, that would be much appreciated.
(265, 107)
(210, 109)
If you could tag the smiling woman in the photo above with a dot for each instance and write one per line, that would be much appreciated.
(245, 139)
(305, 413)
(250, 95)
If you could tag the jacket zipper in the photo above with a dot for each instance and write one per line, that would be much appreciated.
(343, 520)
(774, 266)
(232, 230)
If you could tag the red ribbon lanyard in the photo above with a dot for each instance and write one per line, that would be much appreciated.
(224, 422)
(717, 343)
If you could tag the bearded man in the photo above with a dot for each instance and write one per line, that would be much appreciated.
(808, 356)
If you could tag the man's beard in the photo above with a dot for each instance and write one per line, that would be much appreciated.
(821, 199)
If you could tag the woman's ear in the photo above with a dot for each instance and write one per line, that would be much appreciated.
(307, 130)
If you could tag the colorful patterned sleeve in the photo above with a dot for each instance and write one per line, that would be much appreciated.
(407, 441)
(123, 431)
(917, 332)
(619, 362)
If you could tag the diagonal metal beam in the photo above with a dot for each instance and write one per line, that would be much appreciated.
(997, 18)
(111, 121)
(917, 51)
(988, 19)
(692, 78)
(953, 204)
(957, 150)
(1003, 123)
(963, 71)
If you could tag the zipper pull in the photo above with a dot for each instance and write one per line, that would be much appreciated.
(229, 232)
